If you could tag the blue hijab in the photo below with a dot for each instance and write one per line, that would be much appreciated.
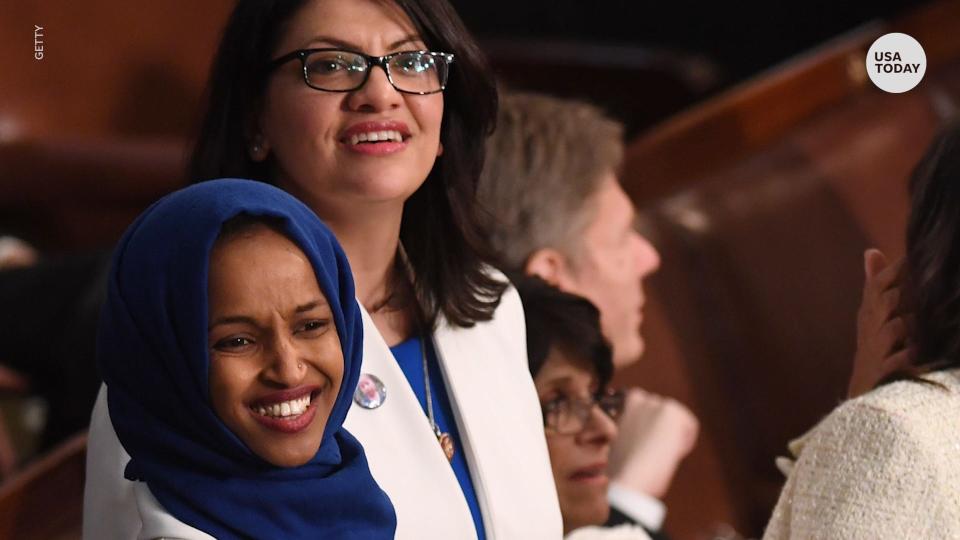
(153, 354)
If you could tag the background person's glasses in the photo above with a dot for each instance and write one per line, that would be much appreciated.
(567, 415)
(339, 70)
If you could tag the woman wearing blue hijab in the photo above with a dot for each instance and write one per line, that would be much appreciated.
(224, 416)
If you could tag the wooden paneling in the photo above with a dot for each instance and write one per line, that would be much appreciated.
(692, 145)
(128, 68)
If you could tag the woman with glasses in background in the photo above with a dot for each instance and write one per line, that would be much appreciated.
(374, 114)
(571, 364)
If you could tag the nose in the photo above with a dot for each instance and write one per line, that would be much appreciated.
(600, 429)
(284, 365)
(647, 256)
(376, 95)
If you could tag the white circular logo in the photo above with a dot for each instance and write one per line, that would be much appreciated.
(896, 63)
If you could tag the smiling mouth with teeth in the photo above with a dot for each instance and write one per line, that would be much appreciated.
(376, 136)
(284, 409)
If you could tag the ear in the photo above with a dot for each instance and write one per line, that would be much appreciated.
(440, 149)
(258, 147)
(550, 265)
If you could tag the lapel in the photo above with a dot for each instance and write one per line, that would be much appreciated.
(403, 453)
(470, 406)
(498, 415)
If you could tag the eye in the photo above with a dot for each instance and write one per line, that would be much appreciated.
(333, 63)
(313, 327)
(324, 66)
(413, 63)
(556, 404)
(233, 344)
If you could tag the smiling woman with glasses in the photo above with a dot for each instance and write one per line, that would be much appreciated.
(389, 159)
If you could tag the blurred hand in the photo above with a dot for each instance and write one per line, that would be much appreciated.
(656, 433)
(881, 329)
(16, 253)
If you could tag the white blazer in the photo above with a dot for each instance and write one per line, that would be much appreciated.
(881, 466)
(501, 431)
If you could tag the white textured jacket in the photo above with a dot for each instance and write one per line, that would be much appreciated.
(501, 430)
(884, 465)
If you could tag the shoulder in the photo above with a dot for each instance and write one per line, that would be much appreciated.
(499, 344)
(507, 325)
(942, 389)
(899, 413)
(158, 524)
(510, 297)
(134, 511)
(106, 491)
(894, 429)
(882, 466)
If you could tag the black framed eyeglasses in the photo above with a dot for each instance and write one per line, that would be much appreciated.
(567, 415)
(341, 70)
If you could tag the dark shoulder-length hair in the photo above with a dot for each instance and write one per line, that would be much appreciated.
(440, 230)
(931, 284)
(562, 321)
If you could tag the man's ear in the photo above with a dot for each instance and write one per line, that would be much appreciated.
(550, 265)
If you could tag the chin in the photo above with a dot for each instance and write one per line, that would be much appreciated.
(628, 353)
(382, 191)
(383, 181)
(288, 459)
(585, 515)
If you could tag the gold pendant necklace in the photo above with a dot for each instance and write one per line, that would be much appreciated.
(444, 438)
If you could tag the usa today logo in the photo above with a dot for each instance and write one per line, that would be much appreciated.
(896, 63)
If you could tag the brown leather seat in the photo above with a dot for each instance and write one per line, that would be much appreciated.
(44, 501)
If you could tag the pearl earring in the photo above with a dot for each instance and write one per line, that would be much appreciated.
(257, 149)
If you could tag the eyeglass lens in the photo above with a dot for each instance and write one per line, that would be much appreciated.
(417, 72)
(568, 415)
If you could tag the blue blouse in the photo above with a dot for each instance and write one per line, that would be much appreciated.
(411, 363)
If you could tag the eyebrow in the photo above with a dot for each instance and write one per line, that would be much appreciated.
(410, 38)
(244, 319)
(557, 383)
(310, 306)
(232, 319)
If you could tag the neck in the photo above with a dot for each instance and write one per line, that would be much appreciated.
(370, 236)
(371, 246)
(368, 233)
